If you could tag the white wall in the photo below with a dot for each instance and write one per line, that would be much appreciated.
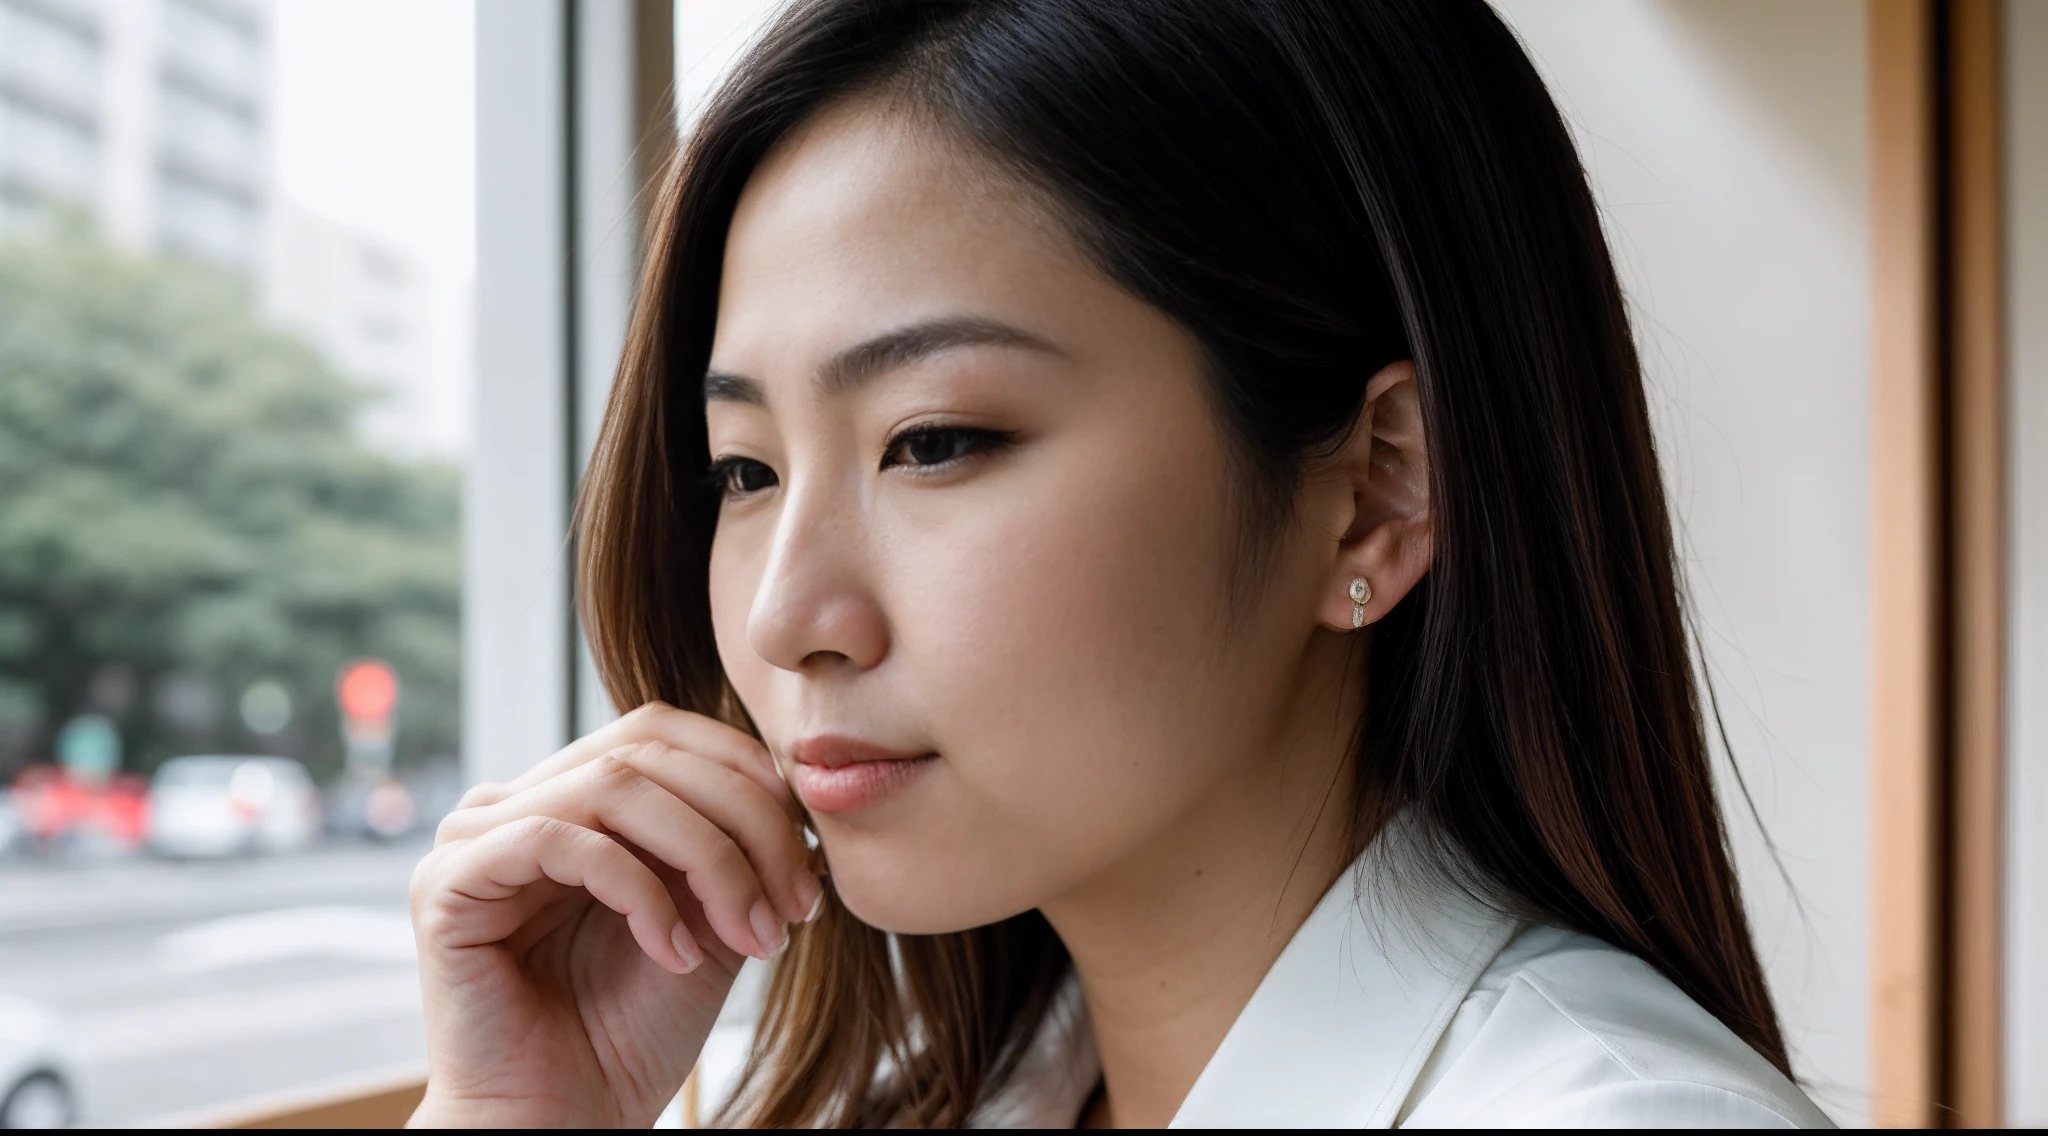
(1725, 139)
(2026, 188)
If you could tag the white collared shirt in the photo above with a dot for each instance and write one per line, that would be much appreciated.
(1448, 1014)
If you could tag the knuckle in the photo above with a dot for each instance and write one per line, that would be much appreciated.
(482, 793)
(426, 879)
(649, 712)
(430, 895)
(434, 917)
(530, 828)
(724, 856)
(615, 770)
(453, 827)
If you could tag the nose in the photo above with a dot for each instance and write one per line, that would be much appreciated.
(814, 609)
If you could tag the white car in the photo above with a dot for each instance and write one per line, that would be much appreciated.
(36, 1084)
(224, 806)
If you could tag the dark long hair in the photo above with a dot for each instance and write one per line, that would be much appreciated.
(1313, 188)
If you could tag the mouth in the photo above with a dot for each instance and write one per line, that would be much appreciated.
(833, 774)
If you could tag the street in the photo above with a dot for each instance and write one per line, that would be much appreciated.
(185, 987)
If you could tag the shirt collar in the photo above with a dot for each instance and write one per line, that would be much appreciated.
(1334, 1036)
(1338, 1031)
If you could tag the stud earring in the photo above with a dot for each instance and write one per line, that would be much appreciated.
(1361, 594)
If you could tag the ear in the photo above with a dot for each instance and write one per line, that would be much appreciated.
(1389, 526)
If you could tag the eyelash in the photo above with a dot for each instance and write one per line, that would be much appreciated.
(725, 472)
(969, 442)
(977, 441)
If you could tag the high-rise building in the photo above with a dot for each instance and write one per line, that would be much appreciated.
(364, 304)
(154, 119)
(152, 116)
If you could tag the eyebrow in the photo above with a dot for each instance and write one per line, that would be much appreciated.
(888, 351)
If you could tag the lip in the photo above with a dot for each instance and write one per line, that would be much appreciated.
(834, 774)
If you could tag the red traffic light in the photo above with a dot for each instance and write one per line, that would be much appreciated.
(367, 689)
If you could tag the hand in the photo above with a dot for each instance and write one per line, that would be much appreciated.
(580, 927)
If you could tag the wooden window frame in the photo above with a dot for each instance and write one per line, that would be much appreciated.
(1937, 562)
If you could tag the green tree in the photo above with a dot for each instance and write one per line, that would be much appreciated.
(185, 504)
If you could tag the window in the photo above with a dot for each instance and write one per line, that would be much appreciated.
(233, 391)
(46, 155)
(51, 52)
(206, 220)
(219, 39)
(210, 135)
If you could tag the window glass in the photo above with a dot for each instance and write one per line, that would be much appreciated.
(45, 152)
(217, 41)
(210, 222)
(212, 135)
(54, 48)
(235, 269)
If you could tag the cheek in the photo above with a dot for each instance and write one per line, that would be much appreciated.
(734, 576)
(1065, 644)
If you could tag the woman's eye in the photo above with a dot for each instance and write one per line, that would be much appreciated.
(735, 476)
(928, 446)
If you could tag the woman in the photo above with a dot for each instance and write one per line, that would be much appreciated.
(1159, 494)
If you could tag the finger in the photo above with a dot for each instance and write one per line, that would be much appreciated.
(482, 793)
(654, 722)
(762, 823)
(498, 866)
(452, 908)
(760, 773)
(611, 795)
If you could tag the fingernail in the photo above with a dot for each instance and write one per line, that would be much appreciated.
(768, 930)
(686, 946)
(811, 894)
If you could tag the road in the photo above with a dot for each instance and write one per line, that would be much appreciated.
(186, 987)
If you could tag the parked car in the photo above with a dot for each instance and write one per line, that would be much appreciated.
(211, 805)
(36, 1082)
(62, 812)
(370, 805)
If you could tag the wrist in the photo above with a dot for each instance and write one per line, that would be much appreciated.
(448, 1110)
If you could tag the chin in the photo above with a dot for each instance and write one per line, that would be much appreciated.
(906, 890)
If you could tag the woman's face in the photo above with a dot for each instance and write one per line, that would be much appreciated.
(971, 569)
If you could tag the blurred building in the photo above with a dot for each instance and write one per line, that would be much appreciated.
(154, 118)
(151, 116)
(364, 304)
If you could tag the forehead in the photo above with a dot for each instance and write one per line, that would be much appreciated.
(864, 219)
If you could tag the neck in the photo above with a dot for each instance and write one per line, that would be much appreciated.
(1170, 945)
